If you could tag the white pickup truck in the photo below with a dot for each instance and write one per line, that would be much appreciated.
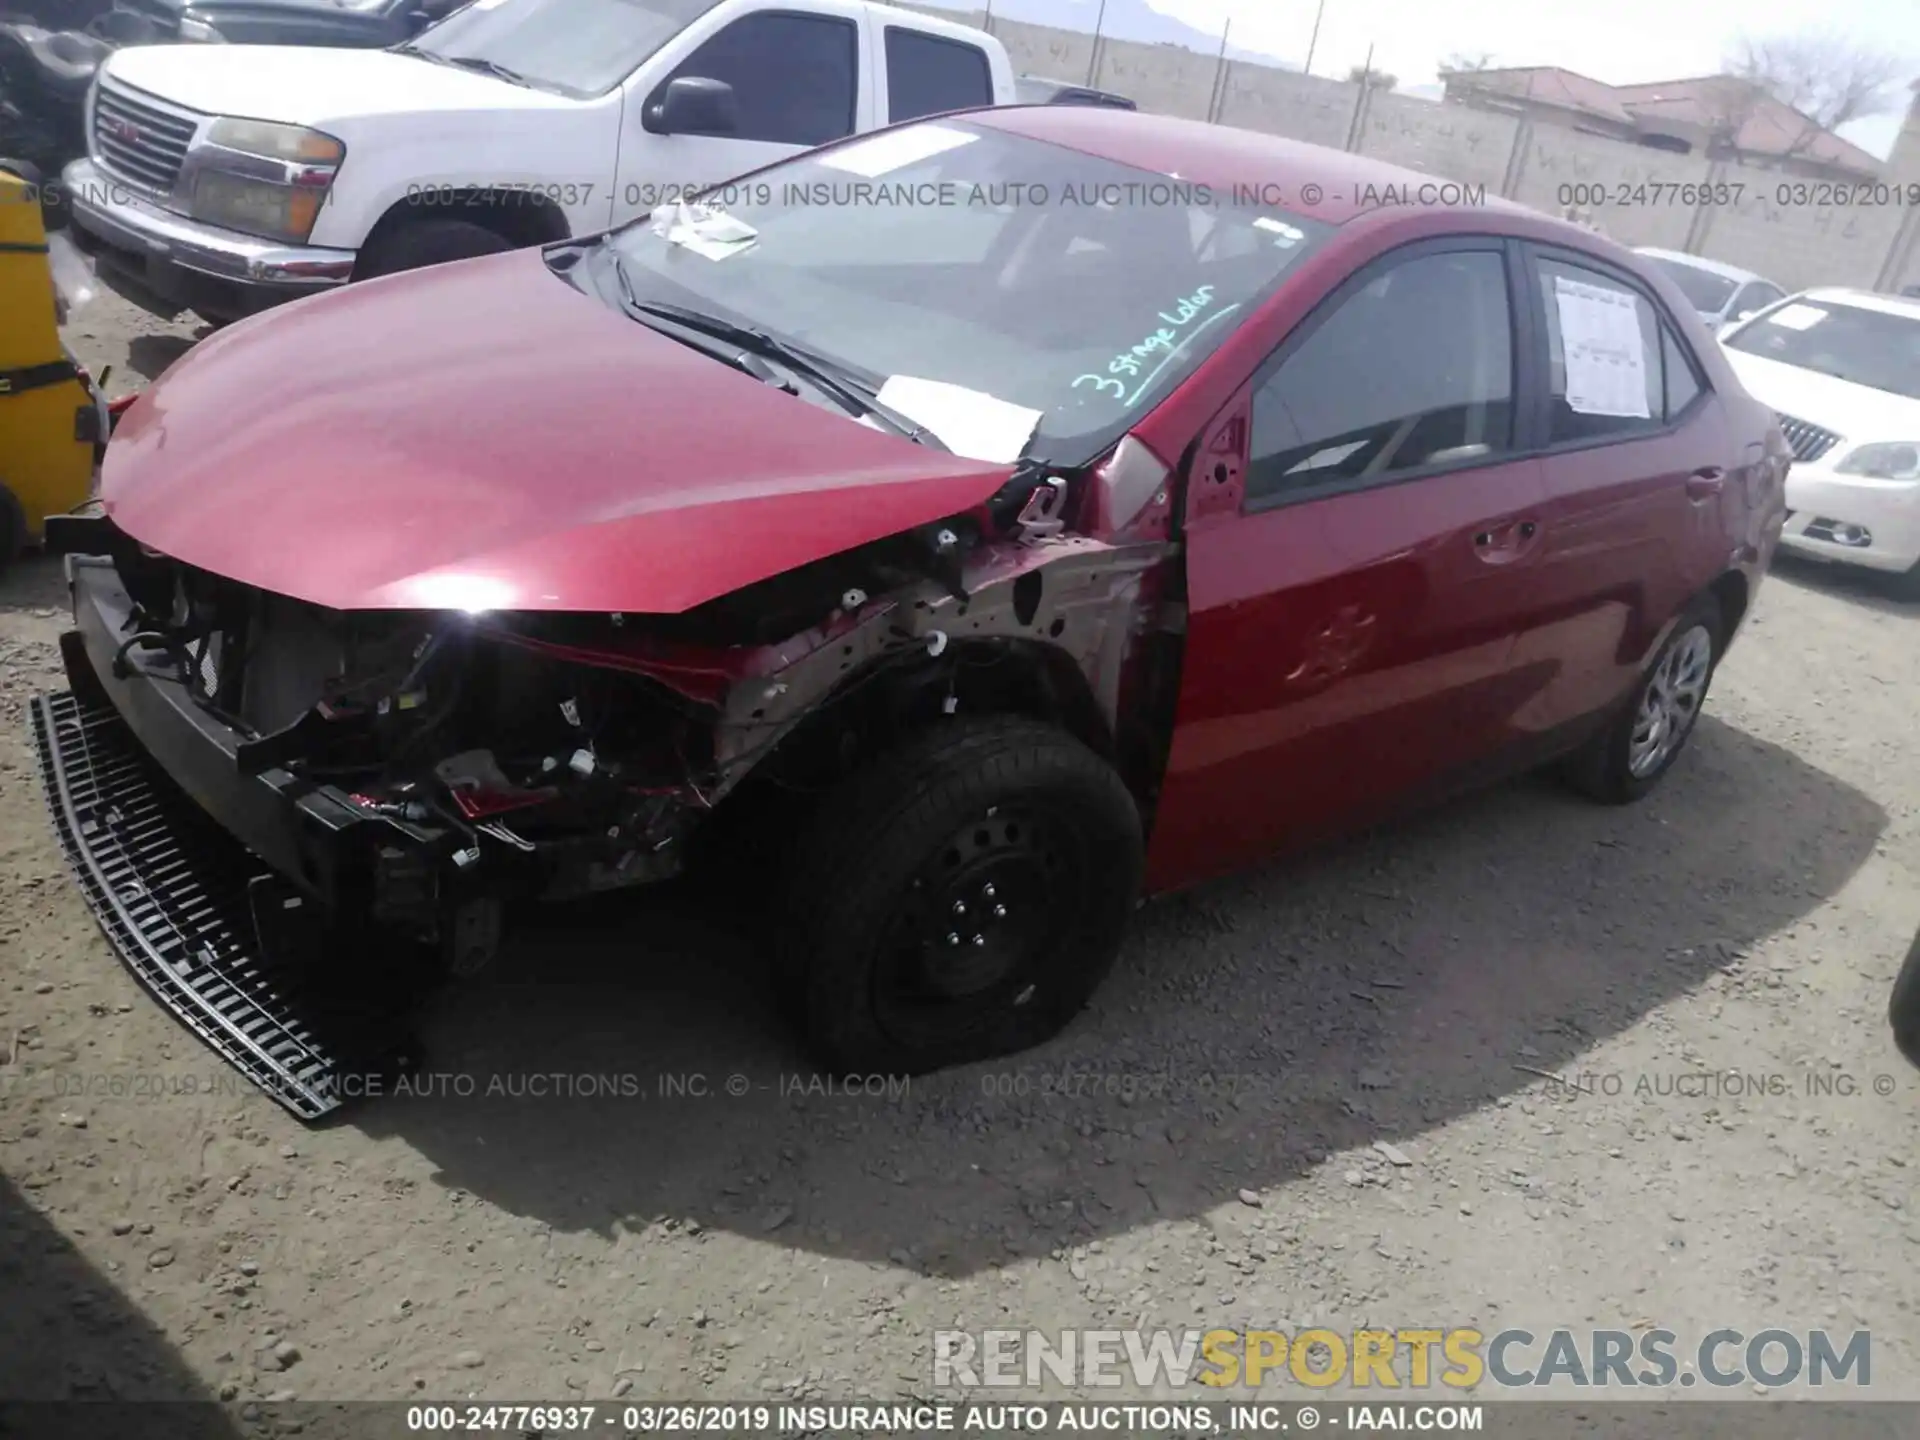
(227, 178)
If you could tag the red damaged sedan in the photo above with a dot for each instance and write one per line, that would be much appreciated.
(1001, 518)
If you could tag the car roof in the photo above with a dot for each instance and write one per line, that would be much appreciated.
(1223, 157)
(1906, 306)
(1701, 262)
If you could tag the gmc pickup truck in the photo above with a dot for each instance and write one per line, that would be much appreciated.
(229, 178)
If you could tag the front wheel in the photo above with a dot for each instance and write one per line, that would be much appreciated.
(960, 899)
(1627, 759)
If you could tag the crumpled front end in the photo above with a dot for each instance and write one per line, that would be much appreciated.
(274, 806)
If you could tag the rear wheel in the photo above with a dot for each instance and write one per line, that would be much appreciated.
(430, 242)
(1626, 760)
(959, 899)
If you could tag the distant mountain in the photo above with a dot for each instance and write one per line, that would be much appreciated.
(1124, 20)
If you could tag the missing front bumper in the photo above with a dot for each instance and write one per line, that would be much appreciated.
(194, 915)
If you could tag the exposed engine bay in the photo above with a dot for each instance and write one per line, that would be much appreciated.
(553, 755)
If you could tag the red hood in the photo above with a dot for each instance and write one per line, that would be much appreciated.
(481, 435)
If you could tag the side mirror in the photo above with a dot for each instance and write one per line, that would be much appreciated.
(1744, 315)
(695, 105)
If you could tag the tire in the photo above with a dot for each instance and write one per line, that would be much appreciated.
(1903, 1010)
(999, 814)
(431, 242)
(1611, 768)
(1906, 585)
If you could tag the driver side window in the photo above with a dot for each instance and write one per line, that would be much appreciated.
(1415, 368)
(795, 78)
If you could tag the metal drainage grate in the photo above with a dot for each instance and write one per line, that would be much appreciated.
(175, 895)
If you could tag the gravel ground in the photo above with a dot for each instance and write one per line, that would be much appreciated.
(1353, 1120)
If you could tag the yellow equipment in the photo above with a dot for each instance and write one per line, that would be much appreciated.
(50, 416)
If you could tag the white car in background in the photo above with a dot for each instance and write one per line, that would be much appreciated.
(1842, 370)
(1722, 295)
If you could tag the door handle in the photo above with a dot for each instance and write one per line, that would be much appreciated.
(1506, 542)
(1706, 482)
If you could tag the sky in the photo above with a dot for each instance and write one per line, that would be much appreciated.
(1618, 41)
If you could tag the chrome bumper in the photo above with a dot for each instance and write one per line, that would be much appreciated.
(117, 214)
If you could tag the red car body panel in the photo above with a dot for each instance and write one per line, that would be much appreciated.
(483, 436)
(1348, 656)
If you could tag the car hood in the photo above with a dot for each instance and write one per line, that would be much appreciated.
(314, 85)
(1859, 413)
(483, 436)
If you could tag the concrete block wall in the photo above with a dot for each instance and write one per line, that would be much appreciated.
(1872, 245)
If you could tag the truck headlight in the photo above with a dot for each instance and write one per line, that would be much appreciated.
(274, 182)
(203, 31)
(293, 143)
(266, 208)
(1896, 460)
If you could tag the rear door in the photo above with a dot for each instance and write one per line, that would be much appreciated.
(1635, 462)
(798, 79)
(1360, 532)
(922, 74)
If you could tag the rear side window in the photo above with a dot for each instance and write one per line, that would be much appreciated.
(795, 78)
(1603, 353)
(1682, 381)
(929, 75)
(1414, 368)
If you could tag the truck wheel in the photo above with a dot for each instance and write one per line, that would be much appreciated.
(430, 242)
(1627, 759)
(959, 899)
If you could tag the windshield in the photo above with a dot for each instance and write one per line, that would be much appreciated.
(577, 47)
(1705, 291)
(1034, 276)
(1848, 342)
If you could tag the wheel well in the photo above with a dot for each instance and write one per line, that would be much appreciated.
(520, 218)
(1731, 591)
(872, 709)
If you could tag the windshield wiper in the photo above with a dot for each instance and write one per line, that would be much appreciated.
(467, 62)
(854, 394)
(490, 67)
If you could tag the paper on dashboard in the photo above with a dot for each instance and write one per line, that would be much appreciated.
(1604, 351)
(703, 230)
(968, 422)
(883, 154)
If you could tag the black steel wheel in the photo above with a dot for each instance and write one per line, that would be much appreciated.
(960, 899)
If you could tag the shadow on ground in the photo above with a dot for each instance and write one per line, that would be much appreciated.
(76, 1354)
(149, 356)
(1870, 588)
(1250, 1029)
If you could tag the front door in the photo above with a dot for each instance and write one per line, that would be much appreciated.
(797, 80)
(1360, 540)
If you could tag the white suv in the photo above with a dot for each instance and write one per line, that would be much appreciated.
(226, 178)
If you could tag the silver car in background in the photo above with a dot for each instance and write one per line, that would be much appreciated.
(1721, 294)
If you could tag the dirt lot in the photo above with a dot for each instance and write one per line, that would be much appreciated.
(1352, 1120)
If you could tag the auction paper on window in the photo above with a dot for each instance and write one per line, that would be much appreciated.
(1605, 354)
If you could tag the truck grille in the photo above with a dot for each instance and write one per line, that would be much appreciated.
(1809, 441)
(137, 139)
(180, 901)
